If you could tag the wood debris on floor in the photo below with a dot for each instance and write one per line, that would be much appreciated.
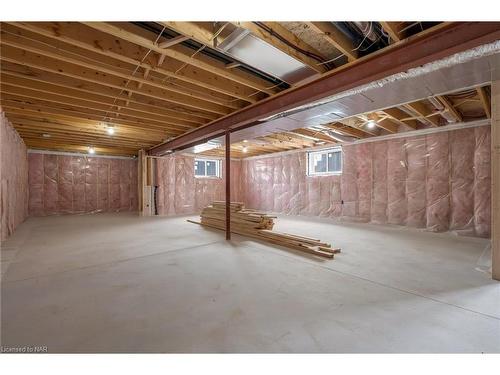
(256, 224)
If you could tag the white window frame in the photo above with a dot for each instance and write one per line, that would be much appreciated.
(218, 167)
(310, 171)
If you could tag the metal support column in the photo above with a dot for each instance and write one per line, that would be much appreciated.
(228, 185)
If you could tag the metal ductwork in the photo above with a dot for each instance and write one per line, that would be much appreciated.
(451, 76)
(243, 46)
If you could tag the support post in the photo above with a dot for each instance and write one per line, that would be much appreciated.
(228, 185)
(495, 179)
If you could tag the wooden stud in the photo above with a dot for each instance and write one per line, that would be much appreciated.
(495, 179)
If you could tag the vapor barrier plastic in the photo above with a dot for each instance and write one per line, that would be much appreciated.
(64, 184)
(180, 192)
(438, 181)
(14, 178)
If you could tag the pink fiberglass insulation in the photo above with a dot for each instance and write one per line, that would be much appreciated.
(462, 143)
(416, 156)
(14, 178)
(180, 192)
(438, 181)
(482, 182)
(71, 184)
(397, 208)
(379, 192)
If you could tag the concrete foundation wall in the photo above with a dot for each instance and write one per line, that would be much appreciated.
(438, 181)
(14, 178)
(70, 184)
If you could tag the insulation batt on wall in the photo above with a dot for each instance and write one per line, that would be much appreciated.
(437, 181)
(14, 178)
(66, 184)
(180, 192)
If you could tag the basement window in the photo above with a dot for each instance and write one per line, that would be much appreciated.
(324, 162)
(207, 168)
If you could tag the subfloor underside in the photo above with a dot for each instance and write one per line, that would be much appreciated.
(122, 283)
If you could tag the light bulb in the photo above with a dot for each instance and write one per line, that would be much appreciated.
(371, 124)
(244, 149)
(110, 130)
(91, 150)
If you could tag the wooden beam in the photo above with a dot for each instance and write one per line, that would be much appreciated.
(275, 41)
(485, 100)
(139, 40)
(335, 37)
(495, 179)
(450, 108)
(91, 40)
(395, 30)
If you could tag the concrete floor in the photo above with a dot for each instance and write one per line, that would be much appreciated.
(121, 283)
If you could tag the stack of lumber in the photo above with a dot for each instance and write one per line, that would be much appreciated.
(259, 225)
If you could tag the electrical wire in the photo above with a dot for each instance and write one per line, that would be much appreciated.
(133, 73)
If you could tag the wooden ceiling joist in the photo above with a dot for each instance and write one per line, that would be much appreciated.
(400, 117)
(63, 85)
(315, 135)
(43, 111)
(349, 130)
(424, 112)
(93, 41)
(38, 58)
(9, 91)
(27, 43)
(144, 42)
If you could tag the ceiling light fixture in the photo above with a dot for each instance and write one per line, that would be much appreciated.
(245, 149)
(245, 141)
(371, 124)
(91, 150)
(110, 130)
(46, 135)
